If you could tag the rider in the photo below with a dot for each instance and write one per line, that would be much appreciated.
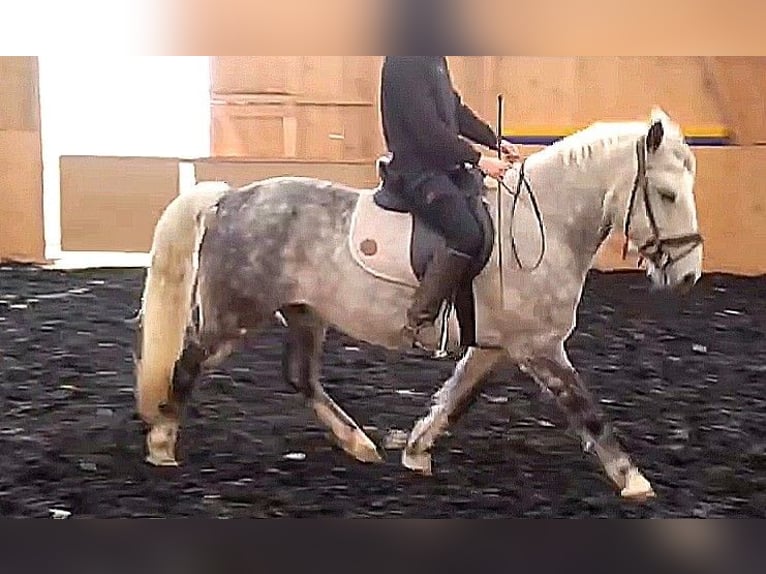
(423, 119)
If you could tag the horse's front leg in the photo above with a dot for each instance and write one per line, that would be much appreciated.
(449, 404)
(556, 374)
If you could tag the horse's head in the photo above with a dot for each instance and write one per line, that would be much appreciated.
(661, 219)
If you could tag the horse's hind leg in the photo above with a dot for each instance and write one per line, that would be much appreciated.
(557, 375)
(201, 352)
(301, 367)
(452, 400)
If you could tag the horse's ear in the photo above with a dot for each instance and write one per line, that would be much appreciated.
(658, 115)
(654, 138)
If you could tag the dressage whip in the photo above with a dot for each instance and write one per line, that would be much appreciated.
(499, 134)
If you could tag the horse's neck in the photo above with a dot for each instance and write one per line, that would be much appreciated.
(582, 193)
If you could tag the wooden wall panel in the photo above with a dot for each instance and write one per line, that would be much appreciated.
(731, 200)
(338, 78)
(267, 129)
(324, 78)
(21, 187)
(113, 203)
(21, 207)
(243, 171)
(256, 74)
(739, 84)
(328, 107)
(333, 113)
(19, 91)
(335, 132)
(538, 91)
(544, 96)
(547, 94)
(291, 129)
(626, 87)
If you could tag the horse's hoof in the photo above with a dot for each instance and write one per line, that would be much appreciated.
(160, 445)
(162, 461)
(637, 488)
(417, 462)
(369, 457)
(364, 450)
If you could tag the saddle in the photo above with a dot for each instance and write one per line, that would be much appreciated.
(394, 244)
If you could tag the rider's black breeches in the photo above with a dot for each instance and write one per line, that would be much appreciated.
(444, 206)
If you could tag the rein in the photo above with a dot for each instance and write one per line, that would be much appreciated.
(655, 248)
(523, 184)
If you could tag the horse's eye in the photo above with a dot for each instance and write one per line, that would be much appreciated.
(667, 194)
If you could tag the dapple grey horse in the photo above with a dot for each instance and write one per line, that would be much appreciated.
(225, 261)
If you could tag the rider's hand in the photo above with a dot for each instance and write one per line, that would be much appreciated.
(510, 152)
(494, 167)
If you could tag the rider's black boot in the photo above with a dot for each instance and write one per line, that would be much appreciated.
(443, 275)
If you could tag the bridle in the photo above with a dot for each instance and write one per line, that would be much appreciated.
(655, 249)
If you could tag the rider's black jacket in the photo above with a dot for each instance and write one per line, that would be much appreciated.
(424, 117)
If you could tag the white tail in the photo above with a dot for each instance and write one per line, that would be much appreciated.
(167, 299)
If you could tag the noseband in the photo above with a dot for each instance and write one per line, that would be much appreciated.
(656, 247)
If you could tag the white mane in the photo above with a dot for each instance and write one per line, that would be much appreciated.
(602, 138)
